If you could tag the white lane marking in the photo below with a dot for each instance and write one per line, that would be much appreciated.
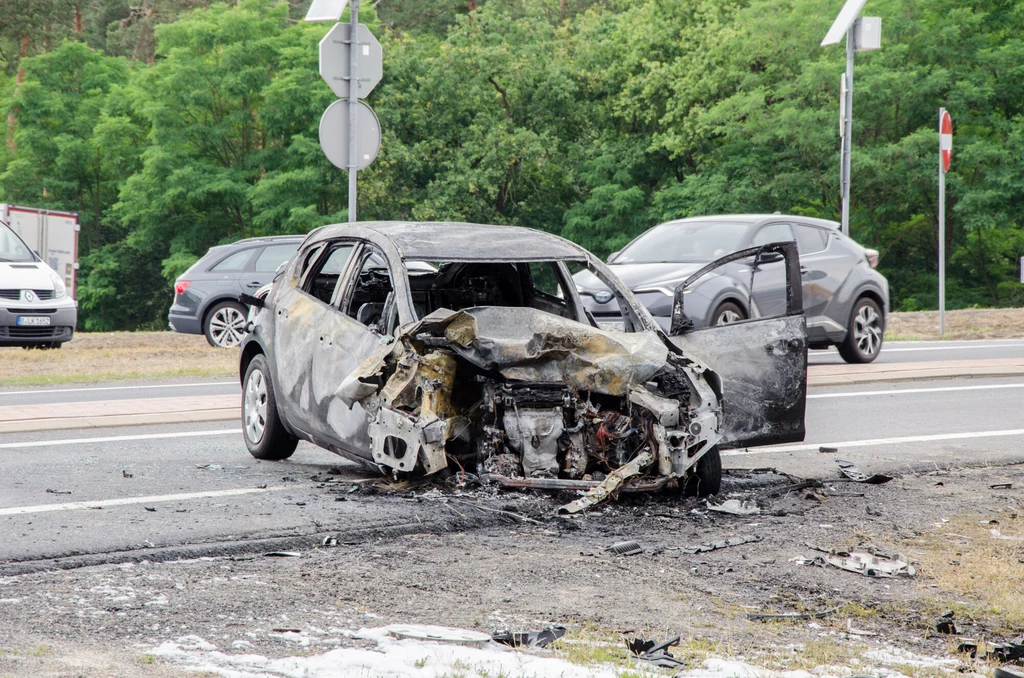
(104, 503)
(901, 391)
(950, 348)
(118, 388)
(879, 441)
(115, 439)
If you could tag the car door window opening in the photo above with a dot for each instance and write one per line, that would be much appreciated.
(322, 279)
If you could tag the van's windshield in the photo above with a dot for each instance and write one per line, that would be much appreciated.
(11, 246)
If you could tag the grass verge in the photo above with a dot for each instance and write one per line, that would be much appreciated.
(93, 357)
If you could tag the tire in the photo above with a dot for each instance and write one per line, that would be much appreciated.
(706, 478)
(863, 341)
(265, 434)
(224, 325)
(726, 314)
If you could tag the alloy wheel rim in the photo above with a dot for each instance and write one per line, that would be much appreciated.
(728, 317)
(227, 327)
(255, 408)
(867, 330)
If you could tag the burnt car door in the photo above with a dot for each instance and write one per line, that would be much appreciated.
(299, 315)
(762, 362)
(352, 329)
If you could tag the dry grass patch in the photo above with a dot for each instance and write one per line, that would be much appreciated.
(979, 557)
(971, 323)
(93, 357)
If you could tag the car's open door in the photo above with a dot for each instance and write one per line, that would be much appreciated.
(762, 362)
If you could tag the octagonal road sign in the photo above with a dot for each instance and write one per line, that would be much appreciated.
(334, 134)
(334, 58)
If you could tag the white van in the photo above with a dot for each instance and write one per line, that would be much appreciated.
(36, 310)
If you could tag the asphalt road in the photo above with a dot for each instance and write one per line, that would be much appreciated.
(124, 390)
(160, 486)
(927, 351)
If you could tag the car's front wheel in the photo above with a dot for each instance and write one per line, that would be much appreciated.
(706, 477)
(265, 434)
(727, 314)
(225, 324)
(863, 340)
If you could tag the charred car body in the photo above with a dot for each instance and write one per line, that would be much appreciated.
(418, 348)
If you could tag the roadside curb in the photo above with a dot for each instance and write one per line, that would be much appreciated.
(914, 375)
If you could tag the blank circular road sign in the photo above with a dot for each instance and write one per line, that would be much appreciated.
(946, 140)
(334, 134)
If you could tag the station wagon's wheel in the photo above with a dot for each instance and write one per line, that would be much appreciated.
(706, 478)
(727, 314)
(225, 324)
(265, 435)
(863, 340)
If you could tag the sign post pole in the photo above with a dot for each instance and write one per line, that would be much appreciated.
(353, 97)
(844, 171)
(945, 151)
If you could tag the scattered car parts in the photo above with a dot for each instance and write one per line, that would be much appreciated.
(850, 470)
(655, 653)
(530, 638)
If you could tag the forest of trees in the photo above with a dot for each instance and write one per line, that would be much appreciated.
(174, 125)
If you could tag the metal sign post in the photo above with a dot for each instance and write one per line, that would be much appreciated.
(351, 63)
(353, 98)
(945, 155)
(861, 35)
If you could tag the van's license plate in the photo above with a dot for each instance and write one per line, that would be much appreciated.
(33, 320)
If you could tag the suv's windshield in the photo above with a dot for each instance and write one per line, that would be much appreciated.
(686, 241)
(11, 246)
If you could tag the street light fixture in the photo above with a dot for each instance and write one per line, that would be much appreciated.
(862, 35)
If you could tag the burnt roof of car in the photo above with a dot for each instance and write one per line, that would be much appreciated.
(456, 241)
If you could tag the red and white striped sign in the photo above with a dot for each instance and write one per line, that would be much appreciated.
(946, 139)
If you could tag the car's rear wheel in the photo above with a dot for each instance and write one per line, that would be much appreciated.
(265, 434)
(863, 340)
(706, 478)
(225, 324)
(727, 314)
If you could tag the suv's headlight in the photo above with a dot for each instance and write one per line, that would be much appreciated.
(59, 289)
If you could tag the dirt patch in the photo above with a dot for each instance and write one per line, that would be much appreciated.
(541, 569)
(996, 323)
(118, 355)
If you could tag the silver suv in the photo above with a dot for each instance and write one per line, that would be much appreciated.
(845, 300)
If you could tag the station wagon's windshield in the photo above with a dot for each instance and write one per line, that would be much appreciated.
(683, 242)
(12, 248)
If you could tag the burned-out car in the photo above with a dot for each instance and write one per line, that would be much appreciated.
(421, 348)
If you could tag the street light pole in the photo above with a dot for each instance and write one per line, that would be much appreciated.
(847, 105)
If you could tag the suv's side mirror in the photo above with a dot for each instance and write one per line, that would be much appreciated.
(611, 257)
(768, 258)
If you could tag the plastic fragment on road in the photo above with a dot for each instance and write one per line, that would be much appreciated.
(625, 548)
(725, 543)
(529, 638)
(735, 507)
(862, 561)
(946, 625)
(783, 616)
(828, 450)
(655, 653)
(1011, 651)
(438, 634)
(1001, 486)
(283, 554)
(850, 470)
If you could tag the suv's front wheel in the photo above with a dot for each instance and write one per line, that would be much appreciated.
(265, 434)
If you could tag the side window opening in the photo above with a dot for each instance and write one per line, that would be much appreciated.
(371, 300)
(322, 280)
